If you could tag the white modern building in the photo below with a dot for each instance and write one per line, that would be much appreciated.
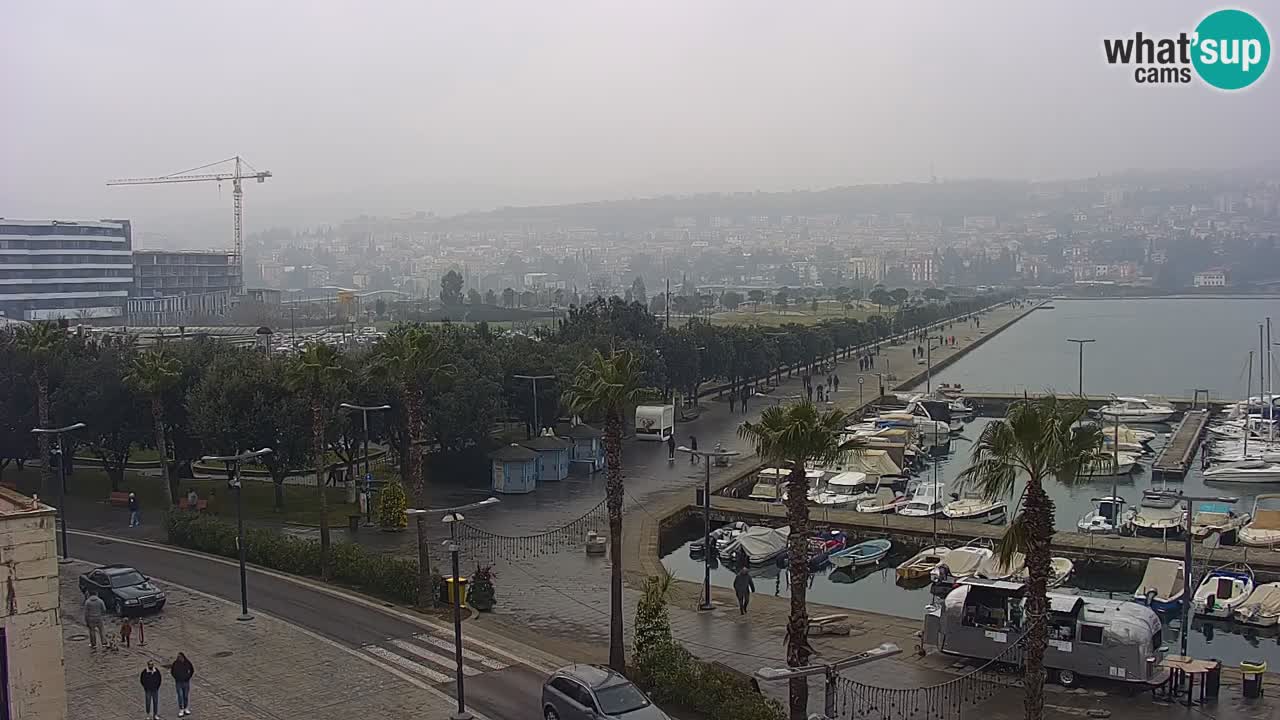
(78, 270)
(1210, 278)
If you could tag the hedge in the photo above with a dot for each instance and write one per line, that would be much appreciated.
(387, 577)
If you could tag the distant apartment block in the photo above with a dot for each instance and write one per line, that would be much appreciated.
(1210, 278)
(175, 287)
(52, 269)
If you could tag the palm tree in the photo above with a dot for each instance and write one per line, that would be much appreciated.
(1037, 440)
(153, 373)
(410, 357)
(43, 342)
(609, 386)
(316, 372)
(799, 434)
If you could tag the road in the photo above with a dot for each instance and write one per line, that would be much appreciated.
(500, 682)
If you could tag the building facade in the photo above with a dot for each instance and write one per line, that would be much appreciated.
(1210, 278)
(177, 287)
(52, 269)
(32, 686)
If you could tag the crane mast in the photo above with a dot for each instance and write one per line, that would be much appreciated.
(236, 176)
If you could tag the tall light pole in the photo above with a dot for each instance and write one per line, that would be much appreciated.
(537, 419)
(368, 476)
(453, 516)
(1186, 556)
(708, 456)
(233, 479)
(928, 362)
(1081, 342)
(62, 477)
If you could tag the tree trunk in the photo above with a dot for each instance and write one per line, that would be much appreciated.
(317, 442)
(42, 403)
(278, 482)
(798, 649)
(115, 470)
(414, 470)
(1038, 513)
(613, 499)
(162, 447)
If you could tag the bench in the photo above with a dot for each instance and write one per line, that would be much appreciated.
(201, 505)
(119, 499)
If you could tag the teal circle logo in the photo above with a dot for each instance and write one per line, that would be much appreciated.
(1232, 49)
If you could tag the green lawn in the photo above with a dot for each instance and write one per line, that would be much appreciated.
(302, 504)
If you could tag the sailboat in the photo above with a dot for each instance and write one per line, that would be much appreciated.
(1246, 469)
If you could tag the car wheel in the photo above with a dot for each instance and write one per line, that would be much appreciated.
(1067, 678)
(550, 713)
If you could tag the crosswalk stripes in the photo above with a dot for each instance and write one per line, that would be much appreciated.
(432, 657)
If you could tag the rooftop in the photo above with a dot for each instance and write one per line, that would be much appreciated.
(13, 503)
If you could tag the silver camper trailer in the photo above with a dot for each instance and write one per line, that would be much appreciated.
(1088, 637)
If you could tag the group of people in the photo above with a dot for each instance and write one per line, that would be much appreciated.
(739, 398)
(824, 390)
(181, 668)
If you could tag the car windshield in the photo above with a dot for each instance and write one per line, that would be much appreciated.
(125, 579)
(620, 699)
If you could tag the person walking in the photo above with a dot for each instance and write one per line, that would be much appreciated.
(150, 680)
(835, 380)
(135, 512)
(693, 445)
(94, 609)
(746, 393)
(126, 632)
(671, 446)
(733, 400)
(182, 670)
(743, 586)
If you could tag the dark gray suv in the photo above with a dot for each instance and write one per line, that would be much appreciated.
(594, 692)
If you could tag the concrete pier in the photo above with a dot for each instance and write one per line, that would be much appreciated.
(1176, 456)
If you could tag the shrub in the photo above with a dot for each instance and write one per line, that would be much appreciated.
(392, 502)
(672, 676)
(388, 577)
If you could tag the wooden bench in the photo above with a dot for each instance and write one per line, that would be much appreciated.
(201, 505)
(119, 499)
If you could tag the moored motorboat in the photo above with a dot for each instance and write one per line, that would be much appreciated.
(976, 508)
(1106, 517)
(962, 562)
(1137, 410)
(1161, 585)
(720, 537)
(994, 569)
(1060, 570)
(925, 501)
(1222, 590)
(1261, 608)
(1156, 522)
(1217, 518)
(923, 562)
(1264, 529)
(864, 553)
(1117, 464)
(758, 544)
(1251, 470)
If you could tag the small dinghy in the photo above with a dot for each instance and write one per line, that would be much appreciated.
(1161, 585)
(1261, 608)
(922, 563)
(1222, 590)
(864, 553)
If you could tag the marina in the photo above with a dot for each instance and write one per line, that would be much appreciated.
(1177, 455)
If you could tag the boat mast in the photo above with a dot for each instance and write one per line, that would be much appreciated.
(1248, 390)
(1270, 393)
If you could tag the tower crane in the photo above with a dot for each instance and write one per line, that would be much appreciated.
(236, 177)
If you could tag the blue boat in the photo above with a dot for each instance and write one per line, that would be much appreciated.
(864, 553)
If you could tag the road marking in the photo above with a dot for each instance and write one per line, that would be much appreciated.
(406, 663)
(468, 654)
(435, 658)
(408, 617)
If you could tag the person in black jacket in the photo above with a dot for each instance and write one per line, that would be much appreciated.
(182, 670)
(150, 679)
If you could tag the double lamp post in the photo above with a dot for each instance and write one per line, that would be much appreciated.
(56, 456)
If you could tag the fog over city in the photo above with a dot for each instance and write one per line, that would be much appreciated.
(445, 107)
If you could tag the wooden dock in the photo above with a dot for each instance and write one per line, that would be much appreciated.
(1176, 457)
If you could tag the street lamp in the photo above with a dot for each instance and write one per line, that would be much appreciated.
(453, 516)
(708, 456)
(831, 671)
(928, 362)
(233, 480)
(1186, 555)
(368, 476)
(537, 419)
(62, 477)
(1081, 342)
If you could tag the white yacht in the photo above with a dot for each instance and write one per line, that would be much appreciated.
(976, 507)
(926, 501)
(1137, 410)
(1244, 471)
(1106, 517)
(841, 490)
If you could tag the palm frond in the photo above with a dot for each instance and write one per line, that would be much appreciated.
(1016, 539)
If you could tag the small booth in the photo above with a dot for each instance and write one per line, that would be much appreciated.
(588, 446)
(515, 470)
(553, 456)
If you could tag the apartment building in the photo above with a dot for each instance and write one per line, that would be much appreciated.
(77, 270)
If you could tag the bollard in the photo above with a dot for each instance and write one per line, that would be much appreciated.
(142, 634)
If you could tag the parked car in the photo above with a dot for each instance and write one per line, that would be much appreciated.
(594, 692)
(123, 589)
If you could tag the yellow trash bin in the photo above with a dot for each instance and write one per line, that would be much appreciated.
(450, 583)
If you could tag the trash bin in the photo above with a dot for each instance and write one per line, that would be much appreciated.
(1213, 680)
(1252, 672)
(450, 583)
(353, 522)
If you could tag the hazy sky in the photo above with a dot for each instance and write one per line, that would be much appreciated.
(442, 106)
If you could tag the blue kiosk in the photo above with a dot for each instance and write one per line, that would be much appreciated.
(515, 470)
(553, 456)
(588, 446)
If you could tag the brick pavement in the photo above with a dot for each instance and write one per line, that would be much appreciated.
(260, 670)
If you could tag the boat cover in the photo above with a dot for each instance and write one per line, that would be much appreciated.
(965, 561)
(1162, 576)
(760, 543)
(994, 569)
(872, 462)
(848, 479)
(1266, 598)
